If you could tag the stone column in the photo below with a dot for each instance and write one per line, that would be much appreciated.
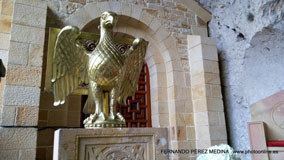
(22, 86)
(209, 121)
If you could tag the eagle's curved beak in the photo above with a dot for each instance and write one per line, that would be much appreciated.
(109, 21)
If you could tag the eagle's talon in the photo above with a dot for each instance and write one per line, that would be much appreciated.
(92, 118)
(120, 117)
(102, 116)
(111, 116)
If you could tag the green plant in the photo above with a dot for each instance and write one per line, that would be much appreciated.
(250, 17)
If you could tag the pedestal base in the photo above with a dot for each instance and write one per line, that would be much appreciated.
(103, 121)
(110, 143)
(106, 124)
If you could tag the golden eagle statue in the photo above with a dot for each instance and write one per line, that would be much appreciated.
(110, 75)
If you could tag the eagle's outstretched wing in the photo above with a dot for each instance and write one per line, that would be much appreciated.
(70, 64)
(130, 72)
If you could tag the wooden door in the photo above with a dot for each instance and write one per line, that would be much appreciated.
(137, 112)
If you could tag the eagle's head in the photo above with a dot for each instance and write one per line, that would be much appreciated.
(108, 20)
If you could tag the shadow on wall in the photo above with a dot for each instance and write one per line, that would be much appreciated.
(2, 69)
(264, 63)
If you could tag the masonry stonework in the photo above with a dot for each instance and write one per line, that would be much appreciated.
(20, 102)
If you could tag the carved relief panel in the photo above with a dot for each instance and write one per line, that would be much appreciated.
(109, 147)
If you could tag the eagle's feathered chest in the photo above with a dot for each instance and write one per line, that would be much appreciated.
(105, 62)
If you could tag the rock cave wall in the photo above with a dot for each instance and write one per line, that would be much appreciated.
(249, 37)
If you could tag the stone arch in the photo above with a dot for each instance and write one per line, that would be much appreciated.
(171, 94)
(154, 27)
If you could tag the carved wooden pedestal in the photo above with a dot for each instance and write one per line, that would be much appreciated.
(110, 143)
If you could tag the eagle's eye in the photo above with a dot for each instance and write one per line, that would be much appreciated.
(104, 16)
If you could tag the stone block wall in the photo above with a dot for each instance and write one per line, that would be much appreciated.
(23, 44)
(23, 79)
(65, 115)
(6, 11)
(18, 143)
(52, 118)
